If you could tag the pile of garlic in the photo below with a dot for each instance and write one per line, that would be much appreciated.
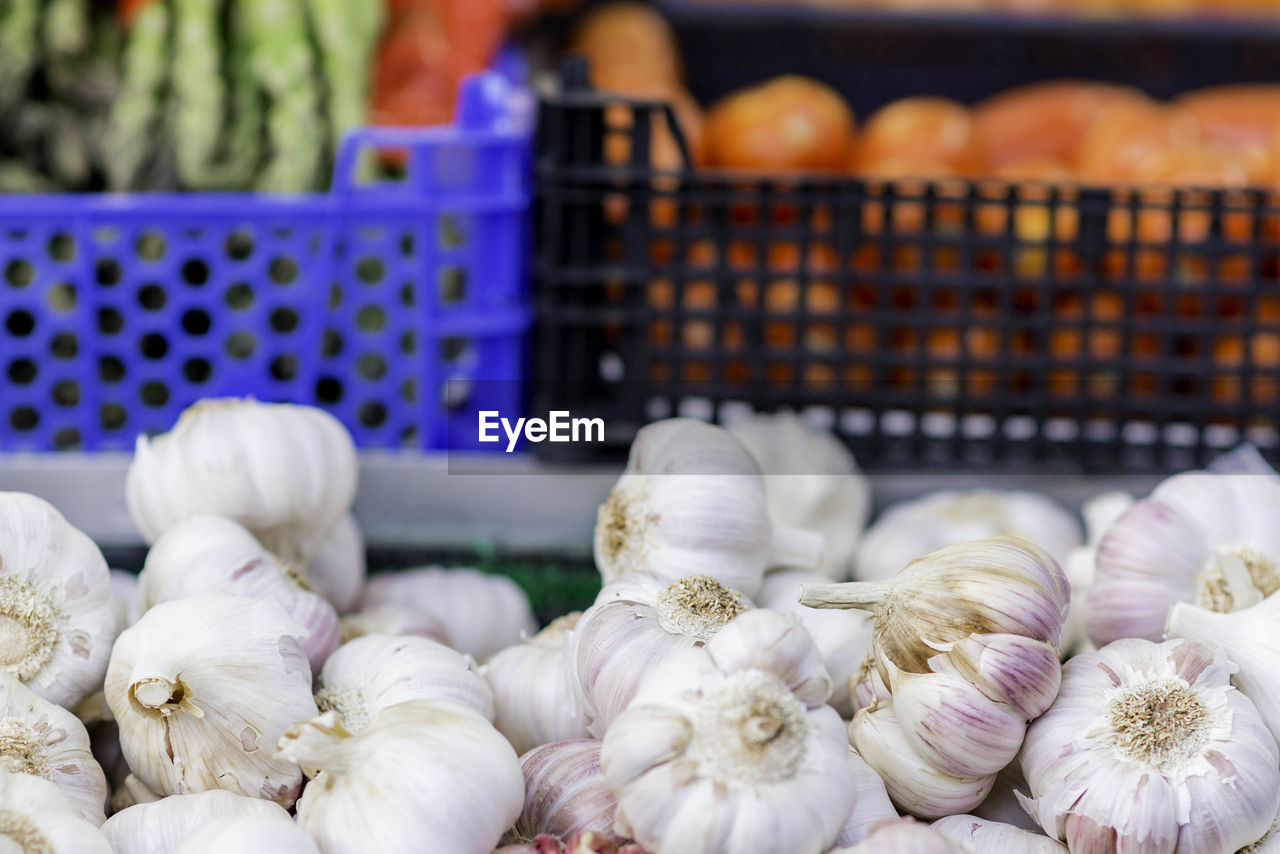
(251, 689)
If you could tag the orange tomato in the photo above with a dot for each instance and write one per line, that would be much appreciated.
(1125, 133)
(788, 124)
(1235, 117)
(629, 34)
(918, 130)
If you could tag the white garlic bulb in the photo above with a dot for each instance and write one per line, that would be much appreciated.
(910, 529)
(124, 587)
(871, 804)
(285, 472)
(37, 818)
(424, 776)
(57, 613)
(905, 837)
(210, 554)
(565, 792)
(40, 738)
(990, 837)
(159, 826)
(1249, 639)
(1080, 565)
(843, 637)
(730, 748)
(533, 688)
(276, 834)
(339, 568)
(370, 673)
(481, 613)
(391, 620)
(1203, 538)
(202, 687)
(812, 482)
(638, 621)
(692, 502)
(966, 641)
(1148, 747)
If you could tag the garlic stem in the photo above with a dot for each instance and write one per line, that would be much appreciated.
(796, 547)
(864, 595)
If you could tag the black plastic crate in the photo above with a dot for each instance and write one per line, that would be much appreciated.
(935, 325)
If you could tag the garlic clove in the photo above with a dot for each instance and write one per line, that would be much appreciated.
(565, 792)
(57, 613)
(374, 672)
(870, 806)
(339, 569)
(866, 686)
(39, 738)
(390, 620)
(481, 613)
(904, 836)
(210, 554)
(914, 784)
(39, 818)
(534, 699)
(1020, 672)
(277, 834)
(158, 827)
(201, 687)
(978, 834)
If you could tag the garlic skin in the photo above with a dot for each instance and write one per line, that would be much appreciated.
(37, 818)
(57, 614)
(390, 620)
(565, 792)
(481, 613)
(158, 827)
(277, 834)
(286, 472)
(966, 643)
(373, 672)
(910, 529)
(812, 482)
(730, 748)
(991, 837)
(39, 738)
(871, 804)
(202, 687)
(1247, 638)
(124, 588)
(1080, 565)
(533, 691)
(340, 567)
(905, 836)
(1148, 747)
(1208, 539)
(425, 776)
(210, 554)
(843, 637)
(691, 501)
(637, 622)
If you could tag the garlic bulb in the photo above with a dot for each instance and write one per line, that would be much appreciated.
(1202, 538)
(638, 621)
(966, 641)
(991, 837)
(37, 737)
(1080, 566)
(286, 472)
(481, 613)
(910, 529)
(37, 818)
(339, 568)
(57, 614)
(390, 620)
(158, 827)
(587, 842)
(871, 804)
(843, 638)
(1249, 639)
(692, 502)
(1148, 747)
(812, 482)
(124, 588)
(533, 688)
(905, 837)
(373, 672)
(565, 792)
(731, 748)
(424, 776)
(209, 554)
(202, 687)
(277, 834)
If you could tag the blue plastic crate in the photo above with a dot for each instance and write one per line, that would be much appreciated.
(120, 311)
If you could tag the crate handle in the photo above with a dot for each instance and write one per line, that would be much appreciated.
(489, 108)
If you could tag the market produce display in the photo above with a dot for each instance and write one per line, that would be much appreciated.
(717, 698)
